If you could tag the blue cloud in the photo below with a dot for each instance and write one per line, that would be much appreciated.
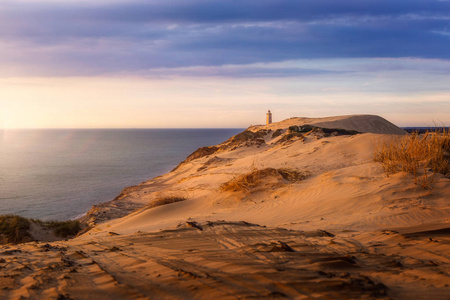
(71, 38)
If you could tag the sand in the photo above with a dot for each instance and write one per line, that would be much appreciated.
(346, 231)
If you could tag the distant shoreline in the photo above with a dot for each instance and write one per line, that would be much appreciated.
(422, 129)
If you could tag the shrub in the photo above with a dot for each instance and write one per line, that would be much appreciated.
(338, 131)
(306, 128)
(14, 229)
(302, 129)
(252, 179)
(166, 200)
(290, 137)
(249, 180)
(416, 154)
(292, 175)
(277, 133)
(63, 229)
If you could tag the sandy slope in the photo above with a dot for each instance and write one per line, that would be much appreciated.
(346, 231)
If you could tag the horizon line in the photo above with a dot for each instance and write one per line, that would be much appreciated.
(116, 128)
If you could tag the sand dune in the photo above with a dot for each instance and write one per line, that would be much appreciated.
(361, 123)
(322, 220)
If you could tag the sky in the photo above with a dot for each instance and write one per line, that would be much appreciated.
(206, 63)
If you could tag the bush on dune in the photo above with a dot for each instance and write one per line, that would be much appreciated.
(166, 200)
(247, 181)
(14, 229)
(421, 155)
(63, 229)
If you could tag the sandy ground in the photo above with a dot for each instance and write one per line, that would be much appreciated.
(344, 232)
(232, 260)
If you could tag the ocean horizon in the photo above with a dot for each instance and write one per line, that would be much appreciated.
(58, 174)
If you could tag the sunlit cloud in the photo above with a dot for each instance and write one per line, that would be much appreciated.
(136, 63)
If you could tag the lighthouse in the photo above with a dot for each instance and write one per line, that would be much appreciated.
(268, 118)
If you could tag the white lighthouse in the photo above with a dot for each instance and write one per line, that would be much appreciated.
(268, 118)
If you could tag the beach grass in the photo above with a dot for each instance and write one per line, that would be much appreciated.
(422, 155)
(247, 181)
(166, 200)
(61, 229)
(14, 229)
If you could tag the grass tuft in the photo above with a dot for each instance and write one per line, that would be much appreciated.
(14, 229)
(292, 175)
(252, 179)
(423, 155)
(63, 229)
(166, 200)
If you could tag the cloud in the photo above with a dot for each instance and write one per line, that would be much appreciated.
(45, 38)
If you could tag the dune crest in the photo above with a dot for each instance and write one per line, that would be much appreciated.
(360, 123)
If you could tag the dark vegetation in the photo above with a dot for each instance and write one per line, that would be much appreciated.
(201, 152)
(246, 138)
(292, 175)
(301, 129)
(211, 162)
(16, 229)
(62, 229)
(291, 137)
(327, 131)
(295, 133)
(277, 133)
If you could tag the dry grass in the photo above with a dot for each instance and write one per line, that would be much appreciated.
(63, 229)
(166, 200)
(252, 179)
(421, 155)
(14, 229)
(292, 175)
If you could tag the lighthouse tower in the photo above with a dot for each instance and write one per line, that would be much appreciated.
(268, 118)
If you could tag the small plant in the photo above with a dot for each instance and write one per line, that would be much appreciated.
(416, 154)
(14, 229)
(292, 175)
(166, 200)
(277, 133)
(290, 137)
(63, 229)
(249, 180)
(252, 179)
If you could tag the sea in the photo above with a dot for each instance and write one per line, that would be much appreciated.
(424, 129)
(58, 174)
